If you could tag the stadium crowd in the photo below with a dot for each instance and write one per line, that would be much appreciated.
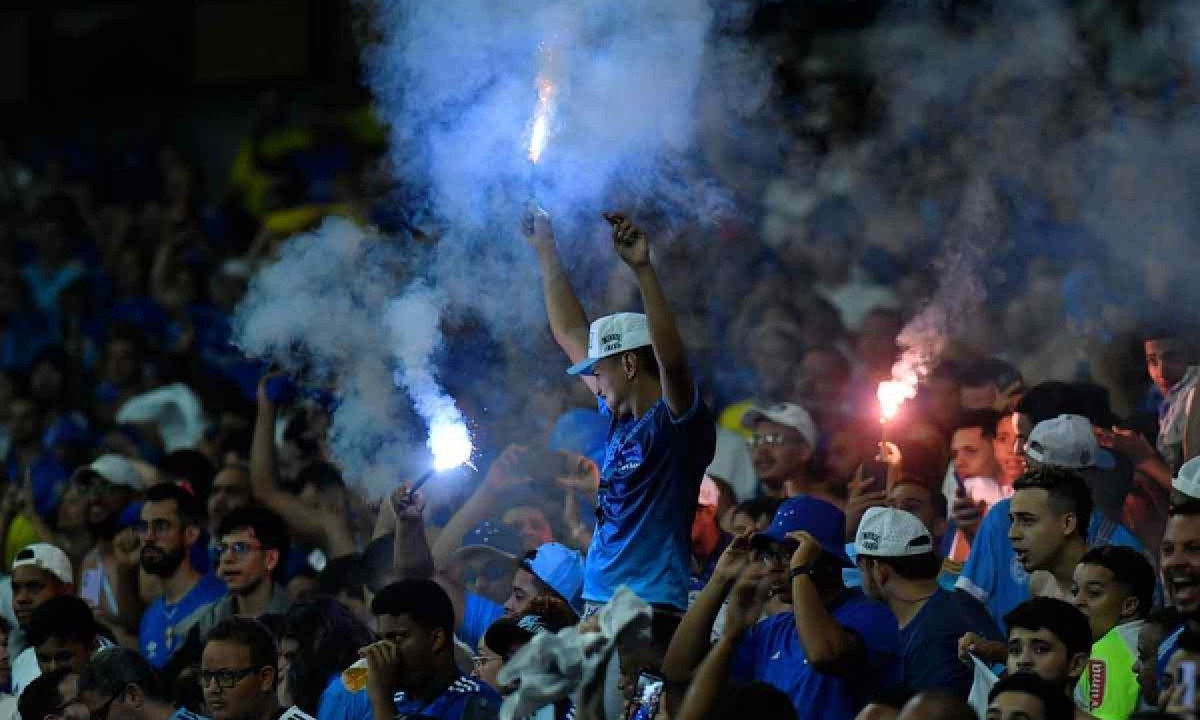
(704, 519)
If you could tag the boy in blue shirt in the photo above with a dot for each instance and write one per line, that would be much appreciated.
(411, 670)
(831, 652)
(661, 438)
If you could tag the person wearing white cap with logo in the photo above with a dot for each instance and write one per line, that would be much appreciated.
(1185, 486)
(784, 440)
(40, 572)
(895, 554)
(662, 435)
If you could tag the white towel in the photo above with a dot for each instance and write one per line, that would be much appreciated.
(982, 685)
(176, 411)
(578, 665)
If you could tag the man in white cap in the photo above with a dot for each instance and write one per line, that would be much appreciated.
(1185, 486)
(662, 435)
(40, 572)
(110, 484)
(994, 574)
(784, 440)
(900, 568)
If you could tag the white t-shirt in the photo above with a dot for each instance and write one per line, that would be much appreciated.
(25, 668)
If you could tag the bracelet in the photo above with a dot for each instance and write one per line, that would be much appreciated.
(808, 570)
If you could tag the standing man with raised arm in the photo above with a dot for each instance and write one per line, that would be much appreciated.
(661, 437)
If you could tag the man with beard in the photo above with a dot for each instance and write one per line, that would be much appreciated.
(253, 540)
(169, 527)
(1179, 564)
(40, 573)
(109, 484)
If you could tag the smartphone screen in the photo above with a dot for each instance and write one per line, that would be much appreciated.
(874, 475)
(93, 582)
(646, 697)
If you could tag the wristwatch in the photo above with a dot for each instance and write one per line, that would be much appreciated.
(802, 570)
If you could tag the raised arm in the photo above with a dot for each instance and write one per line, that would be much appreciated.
(330, 533)
(568, 322)
(410, 550)
(830, 648)
(633, 247)
(690, 642)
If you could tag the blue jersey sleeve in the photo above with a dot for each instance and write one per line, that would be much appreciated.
(979, 575)
(478, 616)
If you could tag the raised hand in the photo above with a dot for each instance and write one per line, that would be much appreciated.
(734, 560)
(127, 548)
(509, 470)
(747, 599)
(408, 507)
(629, 240)
(535, 225)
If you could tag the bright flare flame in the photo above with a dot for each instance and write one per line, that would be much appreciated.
(450, 444)
(540, 130)
(892, 394)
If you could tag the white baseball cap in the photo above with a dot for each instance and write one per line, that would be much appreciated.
(889, 533)
(115, 470)
(788, 414)
(1188, 479)
(613, 335)
(1067, 441)
(45, 556)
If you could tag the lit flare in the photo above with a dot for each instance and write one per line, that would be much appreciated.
(892, 394)
(450, 443)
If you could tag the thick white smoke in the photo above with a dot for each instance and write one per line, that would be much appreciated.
(328, 305)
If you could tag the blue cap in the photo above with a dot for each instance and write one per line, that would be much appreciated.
(561, 568)
(816, 517)
(581, 431)
(494, 538)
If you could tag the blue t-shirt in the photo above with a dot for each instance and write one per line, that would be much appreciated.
(338, 703)
(771, 652)
(1167, 648)
(993, 575)
(930, 642)
(465, 699)
(162, 629)
(646, 502)
(478, 615)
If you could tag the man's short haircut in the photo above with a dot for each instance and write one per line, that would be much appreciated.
(941, 506)
(950, 706)
(346, 574)
(647, 360)
(41, 697)
(191, 511)
(1056, 704)
(112, 669)
(985, 420)
(268, 527)
(1164, 331)
(1189, 642)
(250, 634)
(1044, 401)
(1058, 616)
(913, 567)
(759, 508)
(66, 618)
(424, 601)
(1067, 490)
(1130, 569)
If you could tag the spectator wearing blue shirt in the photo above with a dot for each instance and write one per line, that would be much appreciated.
(411, 670)
(832, 651)
(320, 639)
(169, 528)
(900, 568)
(1179, 564)
(662, 435)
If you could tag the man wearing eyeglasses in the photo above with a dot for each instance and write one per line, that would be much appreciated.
(782, 446)
(168, 529)
(239, 671)
(253, 541)
(119, 684)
